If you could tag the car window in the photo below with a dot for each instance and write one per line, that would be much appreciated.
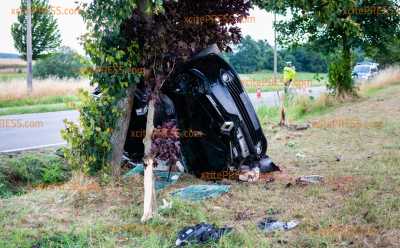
(362, 69)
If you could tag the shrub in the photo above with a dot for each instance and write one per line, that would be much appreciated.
(339, 75)
(64, 64)
(30, 170)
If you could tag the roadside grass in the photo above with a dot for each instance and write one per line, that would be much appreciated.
(19, 172)
(301, 108)
(47, 96)
(29, 101)
(8, 76)
(298, 109)
(389, 76)
(357, 205)
(39, 108)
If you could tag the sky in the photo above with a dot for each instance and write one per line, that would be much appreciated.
(71, 26)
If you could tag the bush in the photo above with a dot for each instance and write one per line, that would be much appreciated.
(339, 75)
(30, 170)
(64, 64)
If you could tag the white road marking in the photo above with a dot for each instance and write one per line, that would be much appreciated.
(33, 147)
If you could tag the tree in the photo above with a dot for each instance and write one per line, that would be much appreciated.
(334, 27)
(157, 36)
(45, 34)
(65, 63)
(251, 56)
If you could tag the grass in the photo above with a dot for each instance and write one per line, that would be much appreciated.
(357, 205)
(47, 96)
(29, 101)
(303, 107)
(298, 109)
(39, 108)
(18, 172)
(8, 76)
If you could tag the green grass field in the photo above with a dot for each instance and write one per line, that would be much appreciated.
(8, 76)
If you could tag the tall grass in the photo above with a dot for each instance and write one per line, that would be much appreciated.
(389, 76)
(16, 90)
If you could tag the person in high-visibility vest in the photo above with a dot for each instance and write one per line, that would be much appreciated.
(289, 73)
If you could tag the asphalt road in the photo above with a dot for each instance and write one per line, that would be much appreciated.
(31, 131)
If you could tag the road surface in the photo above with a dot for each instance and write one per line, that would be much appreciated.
(43, 129)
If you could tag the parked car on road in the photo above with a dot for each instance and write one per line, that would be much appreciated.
(365, 71)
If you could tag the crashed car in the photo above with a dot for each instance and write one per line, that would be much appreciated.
(205, 96)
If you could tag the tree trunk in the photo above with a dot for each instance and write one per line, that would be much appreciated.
(346, 86)
(120, 132)
(150, 203)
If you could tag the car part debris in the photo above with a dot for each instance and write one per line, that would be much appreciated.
(201, 192)
(313, 179)
(252, 175)
(200, 234)
(166, 205)
(299, 127)
(266, 165)
(270, 225)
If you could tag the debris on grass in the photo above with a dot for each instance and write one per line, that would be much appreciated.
(298, 127)
(163, 178)
(201, 192)
(270, 225)
(200, 234)
(249, 175)
(306, 180)
(166, 205)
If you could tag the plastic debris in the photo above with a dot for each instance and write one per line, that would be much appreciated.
(163, 178)
(166, 205)
(137, 170)
(300, 155)
(252, 175)
(271, 225)
(200, 233)
(313, 179)
(201, 192)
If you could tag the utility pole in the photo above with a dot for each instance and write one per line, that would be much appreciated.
(275, 53)
(29, 46)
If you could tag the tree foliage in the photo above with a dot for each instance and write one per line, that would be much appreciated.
(251, 56)
(63, 64)
(157, 36)
(45, 34)
(333, 25)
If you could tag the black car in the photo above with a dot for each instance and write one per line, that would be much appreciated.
(205, 96)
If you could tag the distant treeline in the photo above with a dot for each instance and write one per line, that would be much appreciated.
(251, 56)
(9, 56)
